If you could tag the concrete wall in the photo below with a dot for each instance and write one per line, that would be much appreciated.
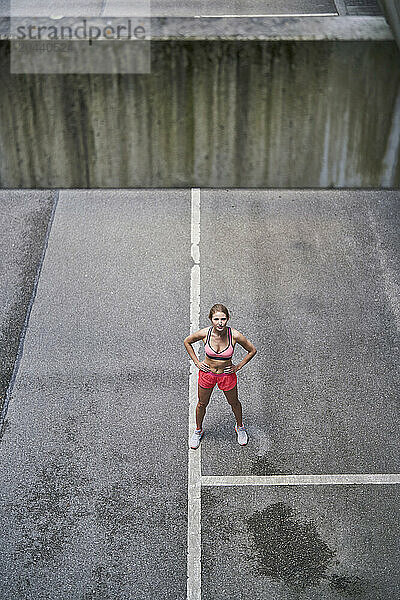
(211, 113)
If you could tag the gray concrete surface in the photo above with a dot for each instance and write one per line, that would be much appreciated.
(308, 543)
(179, 20)
(55, 7)
(362, 7)
(313, 279)
(185, 7)
(164, 7)
(352, 20)
(299, 114)
(93, 497)
(24, 217)
(301, 28)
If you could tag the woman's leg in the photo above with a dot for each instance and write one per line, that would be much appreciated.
(232, 397)
(204, 399)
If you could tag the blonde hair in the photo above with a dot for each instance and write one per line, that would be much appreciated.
(218, 308)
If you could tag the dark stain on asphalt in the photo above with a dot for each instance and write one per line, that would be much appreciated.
(288, 550)
(350, 586)
(302, 246)
(262, 466)
(293, 552)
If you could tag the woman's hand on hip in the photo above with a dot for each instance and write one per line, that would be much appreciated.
(231, 369)
(204, 367)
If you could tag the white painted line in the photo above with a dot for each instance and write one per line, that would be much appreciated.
(195, 225)
(194, 457)
(345, 479)
(266, 15)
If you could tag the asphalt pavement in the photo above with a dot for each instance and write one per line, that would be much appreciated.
(94, 452)
(94, 455)
(304, 274)
(301, 543)
(312, 279)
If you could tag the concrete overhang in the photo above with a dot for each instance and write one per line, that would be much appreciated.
(301, 28)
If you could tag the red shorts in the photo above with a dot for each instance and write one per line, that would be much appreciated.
(225, 381)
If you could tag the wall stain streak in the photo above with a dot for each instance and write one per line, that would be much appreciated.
(293, 552)
(209, 114)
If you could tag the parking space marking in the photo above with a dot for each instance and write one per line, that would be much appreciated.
(194, 458)
(340, 479)
(195, 479)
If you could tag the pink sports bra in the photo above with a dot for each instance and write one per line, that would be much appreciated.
(224, 354)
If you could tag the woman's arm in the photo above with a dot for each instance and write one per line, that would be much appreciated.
(191, 339)
(247, 345)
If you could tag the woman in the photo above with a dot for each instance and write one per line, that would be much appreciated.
(217, 368)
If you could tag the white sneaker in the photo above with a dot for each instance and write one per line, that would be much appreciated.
(241, 435)
(196, 437)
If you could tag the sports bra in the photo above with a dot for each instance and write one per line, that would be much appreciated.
(224, 354)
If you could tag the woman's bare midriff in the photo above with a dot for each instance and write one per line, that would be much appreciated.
(217, 366)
